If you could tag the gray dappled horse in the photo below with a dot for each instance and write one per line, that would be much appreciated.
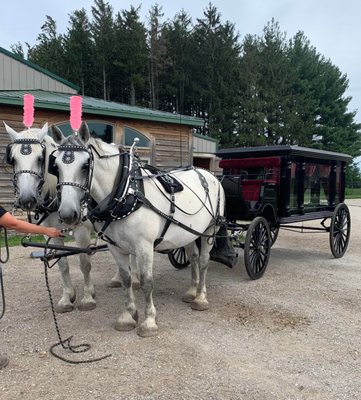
(84, 166)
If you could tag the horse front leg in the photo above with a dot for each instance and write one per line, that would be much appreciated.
(192, 252)
(82, 236)
(128, 317)
(115, 281)
(66, 303)
(144, 260)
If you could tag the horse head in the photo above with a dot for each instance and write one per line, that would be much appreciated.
(27, 154)
(72, 164)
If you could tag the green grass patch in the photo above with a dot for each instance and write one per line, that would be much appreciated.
(353, 193)
(15, 239)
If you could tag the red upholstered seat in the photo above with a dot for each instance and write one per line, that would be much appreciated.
(251, 189)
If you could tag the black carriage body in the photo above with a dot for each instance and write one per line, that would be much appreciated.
(284, 184)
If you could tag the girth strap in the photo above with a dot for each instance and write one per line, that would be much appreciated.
(148, 204)
(168, 221)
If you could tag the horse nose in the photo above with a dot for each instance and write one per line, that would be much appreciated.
(69, 217)
(27, 203)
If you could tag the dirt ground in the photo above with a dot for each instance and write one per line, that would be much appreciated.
(294, 334)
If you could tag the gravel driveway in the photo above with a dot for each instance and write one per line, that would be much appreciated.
(294, 334)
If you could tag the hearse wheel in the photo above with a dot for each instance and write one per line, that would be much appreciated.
(274, 233)
(178, 258)
(340, 230)
(257, 247)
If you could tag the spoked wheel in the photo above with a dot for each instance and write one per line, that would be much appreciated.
(340, 230)
(257, 247)
(178, 258)
(274, 234)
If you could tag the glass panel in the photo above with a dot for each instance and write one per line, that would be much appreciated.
(99, 130)
(294, 184)
(317, 184)
(130, 134)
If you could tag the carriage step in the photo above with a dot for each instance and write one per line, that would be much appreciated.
(305, 217)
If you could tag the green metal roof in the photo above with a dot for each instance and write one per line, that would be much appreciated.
(61, 101)
(40, 69)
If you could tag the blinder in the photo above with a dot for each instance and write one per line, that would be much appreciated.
(52, 168)
(8, 157)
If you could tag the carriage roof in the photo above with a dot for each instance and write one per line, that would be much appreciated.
(281, 150)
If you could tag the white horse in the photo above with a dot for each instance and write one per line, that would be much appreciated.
(34, 187)
(82, 165)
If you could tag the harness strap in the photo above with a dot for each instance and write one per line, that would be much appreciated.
(168, 221)
(148, 204)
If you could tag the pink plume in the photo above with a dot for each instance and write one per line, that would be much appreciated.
(75, 112)
(28, 117)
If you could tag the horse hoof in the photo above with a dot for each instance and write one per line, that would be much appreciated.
(200, 305)
(188, 298)
(125, 322)
(87, 306)
(64, 308)
(147, 331)
(114, 284)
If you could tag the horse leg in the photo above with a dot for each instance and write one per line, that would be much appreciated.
(192, 252)
(145, 265)
(200, 302)
(115, 281)
(66, 303)
(82, 237)
(128, 317)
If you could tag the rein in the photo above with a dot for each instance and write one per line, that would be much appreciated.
(3, 261)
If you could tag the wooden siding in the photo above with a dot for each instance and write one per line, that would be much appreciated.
(15, 75)
(171, 144)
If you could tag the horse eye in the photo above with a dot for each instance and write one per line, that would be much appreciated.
(85, 166)
(40, 160)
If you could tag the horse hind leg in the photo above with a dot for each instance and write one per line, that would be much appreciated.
(200, 302)
(192, 252)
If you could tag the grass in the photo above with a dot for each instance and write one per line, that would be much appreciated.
(15, 239)
(353, 193)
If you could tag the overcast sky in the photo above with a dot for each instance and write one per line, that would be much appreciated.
(332, 26)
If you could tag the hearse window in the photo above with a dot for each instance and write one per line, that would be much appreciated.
(317, 184)
(98, 129)
(294, 185)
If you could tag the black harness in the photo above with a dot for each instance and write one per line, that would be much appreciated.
(128, 192)
(25, 150)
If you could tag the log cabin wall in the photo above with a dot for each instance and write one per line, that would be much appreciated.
(171, 144)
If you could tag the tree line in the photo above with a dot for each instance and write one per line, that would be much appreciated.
(258, 90)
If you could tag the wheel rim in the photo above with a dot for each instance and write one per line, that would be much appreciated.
(340, 230)
(257, 248)
(178, 258)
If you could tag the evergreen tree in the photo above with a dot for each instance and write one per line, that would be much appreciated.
(49, 51)
(132, 55)
(102, 28)
(79, 52)
(176, 91)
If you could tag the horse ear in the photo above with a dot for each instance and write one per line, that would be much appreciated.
(13, 134)
(57, 134)
(43, 132)
(84, 133)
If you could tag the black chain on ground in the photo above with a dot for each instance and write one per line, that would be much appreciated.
(65, 344)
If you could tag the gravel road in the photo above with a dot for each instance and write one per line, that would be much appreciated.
(294, 334)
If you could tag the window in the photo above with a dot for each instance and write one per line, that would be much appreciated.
(316, 184)
(97, 129)
(130, 134)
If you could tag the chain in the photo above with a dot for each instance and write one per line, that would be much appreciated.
(66, 343)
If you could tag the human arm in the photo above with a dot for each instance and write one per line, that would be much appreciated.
(9, 221)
